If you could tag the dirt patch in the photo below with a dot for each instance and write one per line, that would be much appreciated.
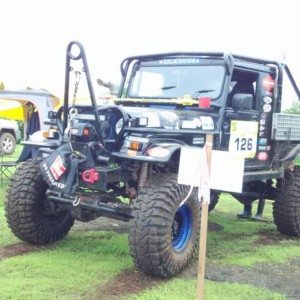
(215, 227)
(231, 236)
(129, 281)
(272, 237)
(126, 283)
(102, 224)
(121, 226)
(282, 278)
(18, 249)
(265, 238)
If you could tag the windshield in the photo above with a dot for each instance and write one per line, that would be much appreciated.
(177, 81)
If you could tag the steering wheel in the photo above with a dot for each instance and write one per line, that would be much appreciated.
(122, 119)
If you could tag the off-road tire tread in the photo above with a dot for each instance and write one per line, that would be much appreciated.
(286, 208)
(23, 210)
(150, 233)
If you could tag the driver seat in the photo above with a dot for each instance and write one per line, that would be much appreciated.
(241, 87)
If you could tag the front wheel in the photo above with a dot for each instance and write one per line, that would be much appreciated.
(164, 235)
(27, 209)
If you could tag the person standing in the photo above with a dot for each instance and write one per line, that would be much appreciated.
(32, 125)
(32, 120)
(247, 213)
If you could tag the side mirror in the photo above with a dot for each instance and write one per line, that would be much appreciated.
(242, 101)
(113, 88)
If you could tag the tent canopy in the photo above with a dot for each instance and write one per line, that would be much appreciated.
(12, 103)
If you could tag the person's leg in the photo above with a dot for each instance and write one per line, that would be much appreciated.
(247, 211)
(260, 209)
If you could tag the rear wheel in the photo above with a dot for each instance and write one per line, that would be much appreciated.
(7, 143)
(286, 209)
(28, 212)
(163, 234)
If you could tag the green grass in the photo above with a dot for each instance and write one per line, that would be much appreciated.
(272, 254)
(2, 193)
(6, 236)
(14, 156)
(75, 265)
(179, 289)
(78, 265)
(238, 243)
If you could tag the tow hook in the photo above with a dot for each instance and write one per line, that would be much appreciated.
(90, 176)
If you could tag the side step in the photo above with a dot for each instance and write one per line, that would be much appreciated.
(261, 175)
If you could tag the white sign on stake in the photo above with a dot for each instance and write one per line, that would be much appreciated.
(226, 173)
(194, 171)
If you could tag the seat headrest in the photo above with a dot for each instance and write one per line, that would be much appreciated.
(244, 87)
(242, 101)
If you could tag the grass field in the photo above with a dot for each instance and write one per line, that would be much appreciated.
(245, 260)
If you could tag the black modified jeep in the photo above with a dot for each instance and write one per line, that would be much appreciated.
(121, 161)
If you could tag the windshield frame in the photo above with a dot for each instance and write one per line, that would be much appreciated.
(173, 62)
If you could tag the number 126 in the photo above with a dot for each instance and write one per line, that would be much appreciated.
(243, 144)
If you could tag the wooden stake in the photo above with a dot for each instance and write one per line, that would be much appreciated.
(203, 229)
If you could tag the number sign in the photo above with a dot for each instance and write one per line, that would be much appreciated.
(243, 138)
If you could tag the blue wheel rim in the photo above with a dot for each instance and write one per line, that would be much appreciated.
(182, 227)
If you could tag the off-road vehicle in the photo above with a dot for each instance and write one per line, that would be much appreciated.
(9, 135)
(121, 161)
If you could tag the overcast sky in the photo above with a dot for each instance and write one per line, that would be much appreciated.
(34, 34)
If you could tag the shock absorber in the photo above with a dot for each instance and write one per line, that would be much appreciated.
(143, 175)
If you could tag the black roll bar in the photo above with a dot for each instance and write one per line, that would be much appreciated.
(292, 80)
(69, 57)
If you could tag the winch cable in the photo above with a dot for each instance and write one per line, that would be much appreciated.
(77, 81)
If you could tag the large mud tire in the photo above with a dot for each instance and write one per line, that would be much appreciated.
(27, 209)
(163, 236)
(286, 209)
